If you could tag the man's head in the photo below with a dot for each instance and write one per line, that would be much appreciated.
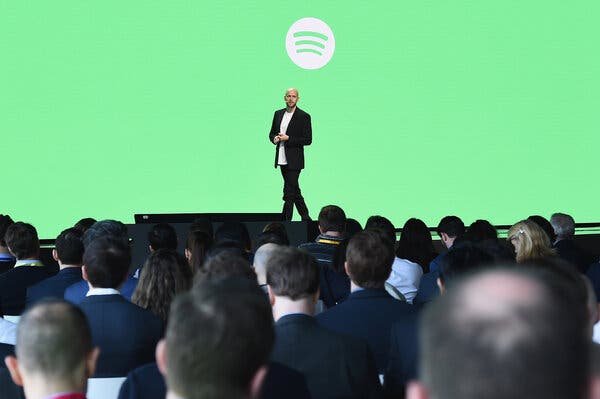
(261, 258)
(22, 241)
(162, 235)
(218, 341)
(383, 224)
(5, 222)
(294, 274)
(332, 219)
(449, 228)
(105, 228)
(54, 350)
(502, 334)
(563, 225)
(369, 258)
(106, 262)
(291, 98)
(69, 247)
(225, 265)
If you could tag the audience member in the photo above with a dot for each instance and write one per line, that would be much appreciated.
(405, 275)
(334, 286)
(530, 241)
(165, 274)
(565, 245)
(502, 334)
(196, 247)
(7, 261)
(234, 232)
(227, 326)
(278, 229)
(54, 353)
(226, 265)
(481, 230)
(22, 241)
(84, 224)
(68, 252)
(415, 244)
(125, 333)
(369, 311)
(268, 238)
(352, 227)
(545, 225)
(261, 259)
(203, 224)
(162, 235)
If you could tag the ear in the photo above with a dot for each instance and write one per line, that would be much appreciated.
(188, 254)
(346, 269)
(55, 255)
(257, 381)
(440, 285)
(444, 237)
(416, 390)
(320, 229)
(317, 294)
(150, 248)
(13, 367)
(84, 273)
(161, 356)
(91, 360)
(271, 295)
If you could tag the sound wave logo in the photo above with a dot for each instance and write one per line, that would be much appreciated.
(310, 43)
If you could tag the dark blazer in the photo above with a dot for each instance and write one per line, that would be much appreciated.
(125, 333)
(76, 292)
(8, 389)
(335, 365)
(14, 284)
(403, 359)
(369, 314)
(300, 132)
(55, 286)
(574, 254)
(147, 382)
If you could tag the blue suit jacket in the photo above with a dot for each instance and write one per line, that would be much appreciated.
(14, 284)
(125, 333)
(369, 314)
(55, 286)
(76, 292)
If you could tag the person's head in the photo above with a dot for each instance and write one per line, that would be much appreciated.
(261, 259)
(5, 221)
(234, 231)
(278, 229)
(294, 274)
(105, 228)
(106, 262)
(291, 98)
(165, 274)
(197, 245)
(383, 224)
(461, 260)
(269, 238)
(481, 230)
(162, 235)
(369, 258)
(502, 334)
(54, 350)
(449, 228)
(203, 224)
(529, 240)
(545, 225)
(332, 219)
(352, 227)
(22, 241)
(226, 265)
(84, 224)
(563, 225)
(415, 243)
(218, 341)
(69, 247)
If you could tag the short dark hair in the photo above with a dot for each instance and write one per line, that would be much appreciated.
(22, 240)
(453, 226)
(384, 224)
(105, 228)
(106, 261)
(219, 334)
(234, 231)
(226, 265)
(5, 221)
(84, 224)
(162, 235)
(293, 273)
(370, 256)
(69, 246)
(54, 339)
(332, 218)
(463, 259)
(481, 230)
(269, 237)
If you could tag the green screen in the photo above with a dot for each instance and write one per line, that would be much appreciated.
(482, 109)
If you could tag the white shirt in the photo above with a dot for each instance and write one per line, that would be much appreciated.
(102, 291)
(285, 121)
(8, 332)
(405, 276)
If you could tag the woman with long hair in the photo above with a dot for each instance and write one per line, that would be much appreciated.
(530, 241)
(416, 244)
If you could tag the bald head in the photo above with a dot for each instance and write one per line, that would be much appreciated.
(261, 257)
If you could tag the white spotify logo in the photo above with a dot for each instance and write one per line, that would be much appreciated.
(310, 43)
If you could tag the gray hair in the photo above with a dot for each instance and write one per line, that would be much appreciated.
(563, 225)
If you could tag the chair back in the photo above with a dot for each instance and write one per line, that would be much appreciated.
(104, 388)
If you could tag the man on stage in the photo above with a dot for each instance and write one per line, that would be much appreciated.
(290, 132)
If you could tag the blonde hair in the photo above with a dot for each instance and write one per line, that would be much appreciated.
(533, 241)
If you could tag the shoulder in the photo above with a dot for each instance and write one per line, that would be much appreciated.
(302, 113)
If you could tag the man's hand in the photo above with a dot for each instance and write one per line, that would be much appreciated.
(276, 139)
(283, 137)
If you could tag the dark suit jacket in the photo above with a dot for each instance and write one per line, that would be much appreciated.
(300, 132)
(77, 292)
(403, 359)
(572, 253)
(125, 333)
(8, 389)
(335, 365)
(369, 314)
(14, 284)
(54, 287)
(147, 382)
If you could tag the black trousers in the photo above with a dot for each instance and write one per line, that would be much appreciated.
(292, 194)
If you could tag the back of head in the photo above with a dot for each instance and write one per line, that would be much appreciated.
(453, 226)
(106, 261)
(563, 225)
(84, 224)
(219, 334)
(352, 227)
(226, 265)
(261, 258)
(545, 225)
(69, 246)
(269, 238)
(530, 241)
(53, 341)
(105, 228)
(293, 273)
(202, 224)
(369, 258)
(461, 260)
(197, 245)
(332, 218)
(234, 231)
(481, 230)
(5, 222)
(383, 224)
(162, 235)
(278, 229)
(22, 240)
(511, 336)
(415, 243)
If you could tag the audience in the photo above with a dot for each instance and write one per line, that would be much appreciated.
(84, 224)
(197, 245)
(162, 235)
(480, 231)
(226, 264)
(415, 244)
(545, 225)
(293, 278)
(530, 241)
(7, 261)
(261, 259)
(565, 245)
(278, 229)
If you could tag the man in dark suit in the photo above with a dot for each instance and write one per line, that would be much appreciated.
(290, 132)
(68, 252)
(565, 245)
(369, 312)
(335, 365)
(125, 333)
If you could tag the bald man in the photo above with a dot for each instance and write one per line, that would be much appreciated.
(290, 132)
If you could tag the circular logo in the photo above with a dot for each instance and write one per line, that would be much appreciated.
(310, 43)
